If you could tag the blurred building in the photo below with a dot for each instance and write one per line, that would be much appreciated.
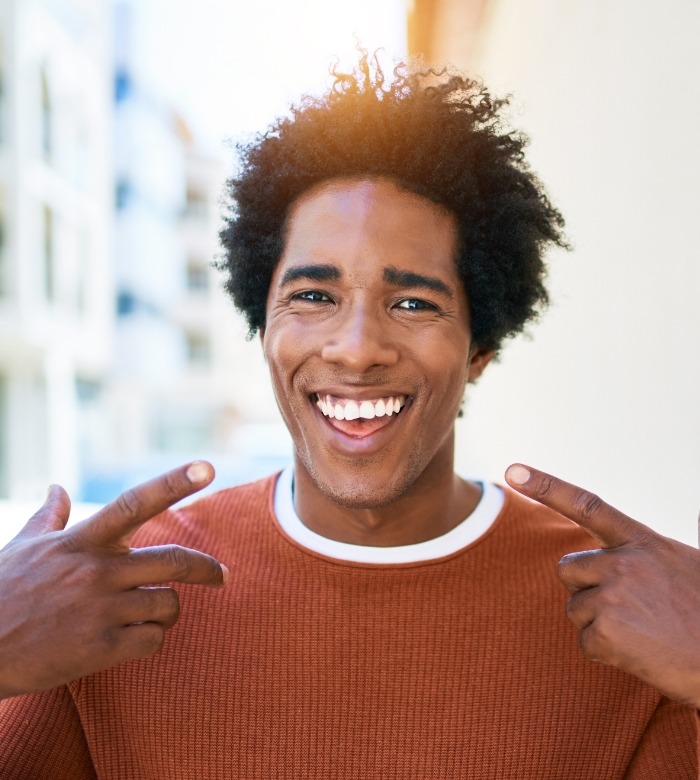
(177, 391)
(55, 238)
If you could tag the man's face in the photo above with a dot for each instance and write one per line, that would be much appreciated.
(368, 339)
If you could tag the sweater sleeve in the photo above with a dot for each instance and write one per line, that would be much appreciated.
(41, 737)
(668, 746)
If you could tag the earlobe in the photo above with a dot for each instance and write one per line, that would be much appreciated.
(478, 360)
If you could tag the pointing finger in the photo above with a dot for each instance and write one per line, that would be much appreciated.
(611, 527)
(115, 523)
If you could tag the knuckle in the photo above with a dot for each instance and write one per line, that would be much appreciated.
(88, 573)
(128, 504)
(577, 612)
(171, 609)
(601, 645)
(170, 602)
(586, 643)
(571, 609)
(621, 567)
(179, 560)
(545, 486)
(587, 505)
(567, 564)
(589, 640)
(565, 577)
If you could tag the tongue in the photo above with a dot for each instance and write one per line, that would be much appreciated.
(361, 427)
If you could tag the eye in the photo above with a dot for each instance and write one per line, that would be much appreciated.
(416, 304)
(314, 296)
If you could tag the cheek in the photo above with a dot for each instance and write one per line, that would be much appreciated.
(451, 385)
(285, 352)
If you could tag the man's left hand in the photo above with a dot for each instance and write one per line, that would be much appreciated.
(636, 601)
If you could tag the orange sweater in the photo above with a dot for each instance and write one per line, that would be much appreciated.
(306, 667)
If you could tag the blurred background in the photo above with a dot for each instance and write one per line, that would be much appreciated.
(121, 357)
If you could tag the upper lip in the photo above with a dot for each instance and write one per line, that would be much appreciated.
(359, 394)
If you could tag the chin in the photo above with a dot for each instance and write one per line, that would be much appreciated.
(360, 492)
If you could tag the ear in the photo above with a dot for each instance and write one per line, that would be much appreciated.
(261, 336)
(478, 360)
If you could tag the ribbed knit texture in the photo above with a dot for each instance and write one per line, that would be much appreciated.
(305, 667)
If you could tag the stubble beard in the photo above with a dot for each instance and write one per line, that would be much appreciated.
(353, 495)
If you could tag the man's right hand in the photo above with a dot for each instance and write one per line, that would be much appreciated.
(79, 600)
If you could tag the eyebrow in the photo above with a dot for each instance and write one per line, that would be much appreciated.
(394, 276)
(312, 273)
(401, 278)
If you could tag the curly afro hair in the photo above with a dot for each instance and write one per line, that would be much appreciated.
(435, 133)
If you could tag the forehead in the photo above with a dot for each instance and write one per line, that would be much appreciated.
(361, 222)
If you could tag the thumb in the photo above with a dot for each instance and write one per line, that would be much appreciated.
(52, 516)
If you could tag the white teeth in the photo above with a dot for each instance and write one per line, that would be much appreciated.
(353, 411)
(366, 410)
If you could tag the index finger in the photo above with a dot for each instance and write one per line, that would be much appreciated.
(608, 525)
(116, 522)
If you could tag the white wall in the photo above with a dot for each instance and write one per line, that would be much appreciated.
(607, 392)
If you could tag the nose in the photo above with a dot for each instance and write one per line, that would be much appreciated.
(358, 341)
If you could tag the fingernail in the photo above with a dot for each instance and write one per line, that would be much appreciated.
(518, 475)
(225, 572)
(199, 471)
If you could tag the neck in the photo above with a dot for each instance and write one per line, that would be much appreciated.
(433, 504)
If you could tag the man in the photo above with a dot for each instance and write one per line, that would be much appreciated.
(387, 618)
(74, 602)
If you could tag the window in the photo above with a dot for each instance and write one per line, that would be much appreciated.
(4, 270)
(46, 117)
(126, 303)
(3, 97)
(122, 86)
(48, 252)
(196, 203)
(197, 277)
(198, 350)
(122, 194)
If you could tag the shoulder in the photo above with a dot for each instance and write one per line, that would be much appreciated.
(219, 514)
(536, 527)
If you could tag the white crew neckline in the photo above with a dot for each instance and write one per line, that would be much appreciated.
(467, 532)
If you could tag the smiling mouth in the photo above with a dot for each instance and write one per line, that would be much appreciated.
(360, 418)
(348, 409)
